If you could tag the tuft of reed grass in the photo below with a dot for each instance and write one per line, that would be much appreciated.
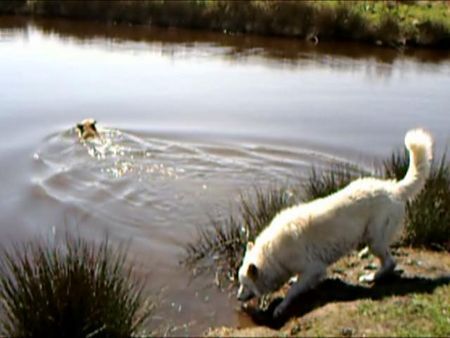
(75, 290)
(225, 241)
(396, 166)
(321, 183)
(428, 215)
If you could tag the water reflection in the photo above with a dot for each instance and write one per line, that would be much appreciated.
(178, 43)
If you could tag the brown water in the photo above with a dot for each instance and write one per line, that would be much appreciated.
(189, 120)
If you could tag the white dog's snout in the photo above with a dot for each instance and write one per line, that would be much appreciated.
(244, 294)
(240, 292)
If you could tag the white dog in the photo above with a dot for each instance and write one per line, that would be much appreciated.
(308, 237)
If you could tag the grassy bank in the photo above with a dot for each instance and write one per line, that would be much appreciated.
(77, 289)
(389, 23)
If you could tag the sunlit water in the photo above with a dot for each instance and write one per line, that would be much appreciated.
(188, 121)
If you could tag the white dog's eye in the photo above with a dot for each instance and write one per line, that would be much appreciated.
(252, 271)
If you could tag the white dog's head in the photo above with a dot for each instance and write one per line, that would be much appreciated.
(254, 280)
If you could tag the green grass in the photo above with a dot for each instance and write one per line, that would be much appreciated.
(389, 23)
(418, 315)
(77, 289)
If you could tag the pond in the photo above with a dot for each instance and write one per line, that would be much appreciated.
(189, 120)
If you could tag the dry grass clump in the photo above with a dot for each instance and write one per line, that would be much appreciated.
(75, 290)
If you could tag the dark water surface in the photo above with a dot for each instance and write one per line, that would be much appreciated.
(188, 120)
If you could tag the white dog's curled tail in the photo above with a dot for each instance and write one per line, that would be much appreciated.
(420, 147)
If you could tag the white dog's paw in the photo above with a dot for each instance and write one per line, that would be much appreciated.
(379, 276)
(368, 278)
(293, 280)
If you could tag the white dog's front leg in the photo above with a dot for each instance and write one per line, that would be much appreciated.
(308, 280)
(387, 267)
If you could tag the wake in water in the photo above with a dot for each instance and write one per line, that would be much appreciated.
(141, 170)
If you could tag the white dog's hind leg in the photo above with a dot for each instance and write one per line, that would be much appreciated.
(308, 280)
(387, 265)
(381, 238)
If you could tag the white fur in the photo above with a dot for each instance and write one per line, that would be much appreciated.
(308, 237)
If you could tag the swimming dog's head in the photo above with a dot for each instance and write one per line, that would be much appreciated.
(86, 129)
(256, 277)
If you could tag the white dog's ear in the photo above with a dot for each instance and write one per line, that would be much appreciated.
(249, 246)
(252, 271)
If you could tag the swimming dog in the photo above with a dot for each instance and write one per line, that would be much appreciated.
(87, 130)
